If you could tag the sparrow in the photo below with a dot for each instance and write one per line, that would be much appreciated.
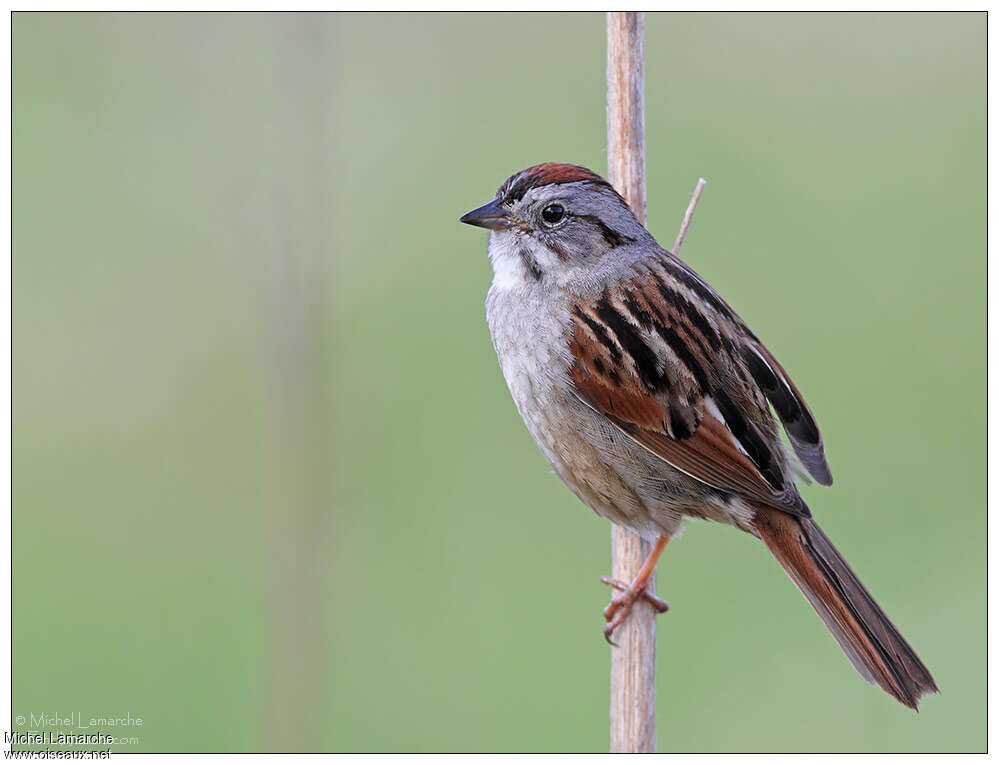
(654, 402)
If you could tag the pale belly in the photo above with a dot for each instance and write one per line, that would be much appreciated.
(605, 468)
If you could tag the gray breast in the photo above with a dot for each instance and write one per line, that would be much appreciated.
(604, 467)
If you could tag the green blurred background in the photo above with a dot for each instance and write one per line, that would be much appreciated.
(270, 490)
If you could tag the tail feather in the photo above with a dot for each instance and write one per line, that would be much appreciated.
(869, 639)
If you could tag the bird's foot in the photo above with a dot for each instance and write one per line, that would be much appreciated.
(620, 606)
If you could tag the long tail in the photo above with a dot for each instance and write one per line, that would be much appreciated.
(868, 637)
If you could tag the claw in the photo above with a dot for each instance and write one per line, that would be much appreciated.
(608, 631)
(620, 606)
(659, 604)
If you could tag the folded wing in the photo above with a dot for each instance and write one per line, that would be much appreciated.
(672, 366)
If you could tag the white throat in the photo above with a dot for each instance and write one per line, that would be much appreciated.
(509, 271)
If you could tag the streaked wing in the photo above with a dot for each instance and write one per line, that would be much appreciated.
(675, 368)
(797, 419)
(795, 416)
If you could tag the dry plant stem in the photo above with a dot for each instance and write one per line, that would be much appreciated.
(633, 663)
(689, 215)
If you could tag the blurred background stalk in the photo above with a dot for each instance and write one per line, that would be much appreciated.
(297, 389)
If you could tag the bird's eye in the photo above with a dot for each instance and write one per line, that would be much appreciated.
(552, 214)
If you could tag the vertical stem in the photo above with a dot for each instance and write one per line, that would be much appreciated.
(633, 663)
(295, 661)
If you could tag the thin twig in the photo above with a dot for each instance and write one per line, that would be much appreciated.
(688, 216)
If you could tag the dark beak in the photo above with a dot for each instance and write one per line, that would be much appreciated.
(487, 216)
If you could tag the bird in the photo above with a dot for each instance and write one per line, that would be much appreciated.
(654, 402)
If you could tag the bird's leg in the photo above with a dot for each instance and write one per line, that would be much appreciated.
(620, 606)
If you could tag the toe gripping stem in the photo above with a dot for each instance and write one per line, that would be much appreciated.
(620, 606)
